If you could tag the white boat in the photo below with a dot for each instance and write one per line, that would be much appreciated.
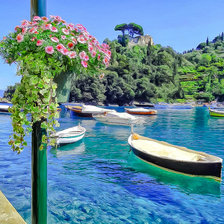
(69, 135)
(118, 118)
(4, 108)
(88, 110)
(175, 158)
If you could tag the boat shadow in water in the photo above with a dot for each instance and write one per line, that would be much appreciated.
(185, 183)
(69, 150)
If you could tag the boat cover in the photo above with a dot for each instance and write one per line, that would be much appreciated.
(93, 109)
(141, 109)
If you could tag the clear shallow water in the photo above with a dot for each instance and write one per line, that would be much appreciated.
(98, 180)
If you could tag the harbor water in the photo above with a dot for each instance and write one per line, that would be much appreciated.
(99, 181)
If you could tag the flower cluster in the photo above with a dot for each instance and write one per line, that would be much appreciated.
(58, 38)
(45, 48)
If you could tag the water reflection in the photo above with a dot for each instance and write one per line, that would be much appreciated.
(185, 183)
(69, 150)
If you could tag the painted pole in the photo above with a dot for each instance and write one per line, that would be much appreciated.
(39, 157)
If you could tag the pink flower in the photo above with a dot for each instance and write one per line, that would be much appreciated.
(65, 31)
(39, 42)
(93, 54)
(44, 18)
(56, 18)
(74, 40)
(33, 29)
(81, 27)
(24, 30)
(24, 23)
(64, 51)
(98, 57)
(106, 60)
(59, 47)
(82, 55)
(105, 46)
(72, 54)
(63, 37)
(47, 26)
(81, 39)
(84, 64)
(19, 38)
(71, 26)
(55, 39)
(109, 53)
(86, 58)
(54, 29)
(70, 45)
(90, 48)
(36, 18)
(49, 49)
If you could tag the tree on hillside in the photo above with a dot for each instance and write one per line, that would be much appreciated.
(131, 28)
(121, 27)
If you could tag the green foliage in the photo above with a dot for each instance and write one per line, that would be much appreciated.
(43, 49)
(8, 94)
(156, 73)
(142, 73)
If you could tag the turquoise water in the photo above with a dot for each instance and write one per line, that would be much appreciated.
(98, 180)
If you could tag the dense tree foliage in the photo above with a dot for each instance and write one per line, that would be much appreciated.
(142, 73)
(155, 74)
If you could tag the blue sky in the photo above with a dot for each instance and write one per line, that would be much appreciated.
(181, 24)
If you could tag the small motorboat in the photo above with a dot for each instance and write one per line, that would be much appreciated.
(87, 110)
(118, 118)
(4, 108)
(216, 112)
(175, 158)
(69, 135)
(140, 111)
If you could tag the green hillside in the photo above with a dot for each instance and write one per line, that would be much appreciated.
(156, 74)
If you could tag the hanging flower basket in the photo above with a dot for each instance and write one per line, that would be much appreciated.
(47, 51)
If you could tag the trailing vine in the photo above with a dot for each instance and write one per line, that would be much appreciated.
(43, 49)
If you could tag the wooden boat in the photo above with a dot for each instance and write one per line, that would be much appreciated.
(87, 110)
(140, 111)
(118, 118)
(69, 135)
(216, 112)
(175, 158)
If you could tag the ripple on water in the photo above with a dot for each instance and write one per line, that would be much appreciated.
(97, 180)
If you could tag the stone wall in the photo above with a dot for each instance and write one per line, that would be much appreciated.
(141, 40)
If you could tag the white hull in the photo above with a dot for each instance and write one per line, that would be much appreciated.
(62, 140)
(70, 135)
(117, 118)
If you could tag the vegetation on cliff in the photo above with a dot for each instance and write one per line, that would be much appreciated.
(156, 74)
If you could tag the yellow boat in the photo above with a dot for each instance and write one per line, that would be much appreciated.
(216, 113)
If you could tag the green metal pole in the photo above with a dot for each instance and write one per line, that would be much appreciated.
(39, 176)
(39, 157)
